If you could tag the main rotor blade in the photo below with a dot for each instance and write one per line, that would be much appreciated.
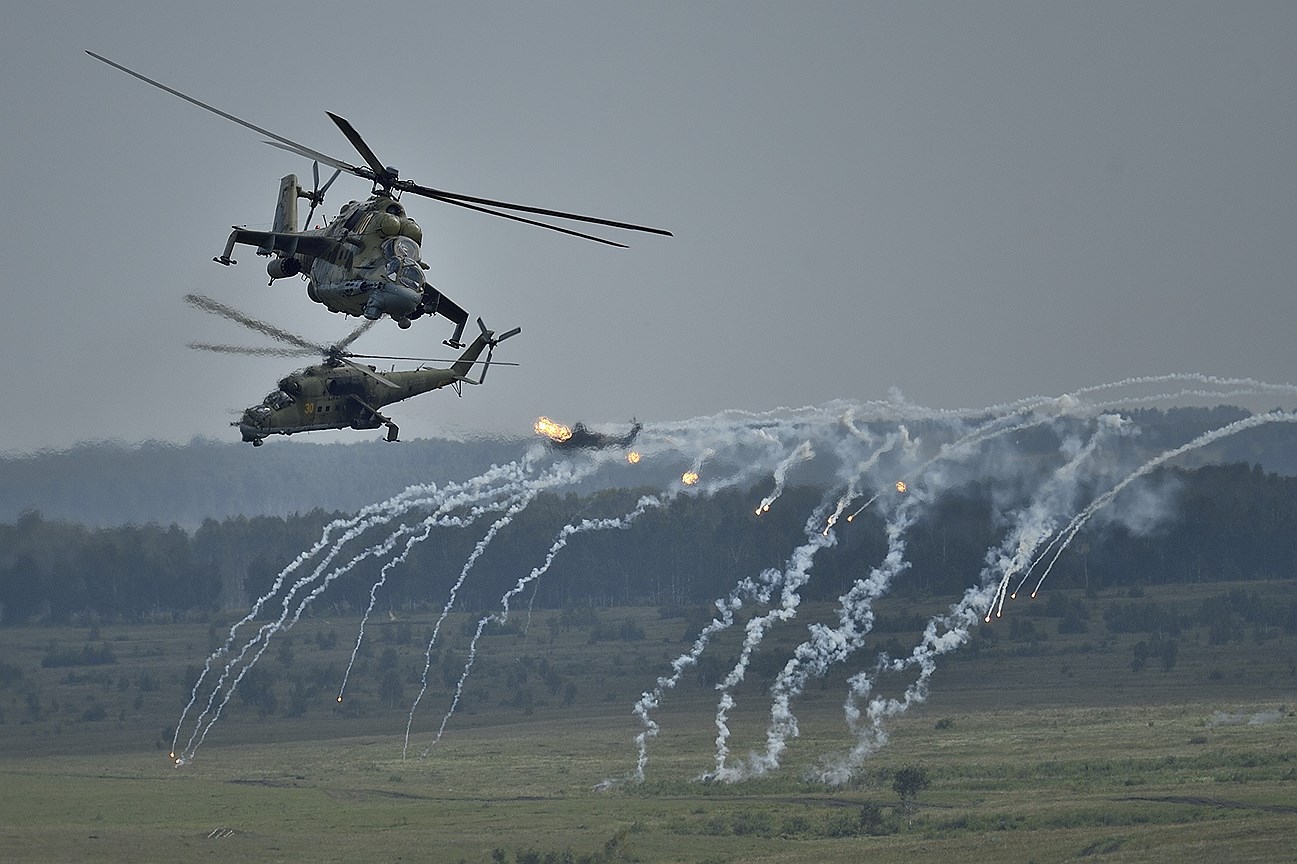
(453, 197)
(354, 335)
(320, 157)
(359, 143)
(427, 359)
(376, 172)
(207, 304)
(253, 352)
(517, 218)
(371, 373)
(285, 143)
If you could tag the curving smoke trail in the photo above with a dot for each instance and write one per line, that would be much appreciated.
(946, 632)
(794, 576)
(562, 474)
(444, 500)
(646, 503)
(828, 645)
(803, 453)
(1078, 522)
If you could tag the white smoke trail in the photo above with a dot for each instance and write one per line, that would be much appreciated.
(757, 590)
(802, 454)
(828, 645)
(793, 577)
(947, 632)
(1203, 440)
(285, 623)
(941, 636)
(392, 505)
(451, 497)
(426, 525)
(562, 474)
(646, 503)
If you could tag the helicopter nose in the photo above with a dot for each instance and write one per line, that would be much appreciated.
(399, 300)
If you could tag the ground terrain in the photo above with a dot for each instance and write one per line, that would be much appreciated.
(1039, 745)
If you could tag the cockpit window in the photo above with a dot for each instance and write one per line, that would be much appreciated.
(257, 415)
(401, 247)
(403, 262)
(277, 399)
(354, 219)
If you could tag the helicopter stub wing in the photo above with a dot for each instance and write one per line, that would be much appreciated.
(290, 243)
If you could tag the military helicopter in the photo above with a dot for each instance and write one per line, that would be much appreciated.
(366, 261)
(580, 437)
(339, 393)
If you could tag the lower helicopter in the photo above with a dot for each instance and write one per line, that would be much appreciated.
(579, 437)
(340, 393)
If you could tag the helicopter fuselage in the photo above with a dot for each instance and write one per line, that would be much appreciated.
(324, 397)
(366, 262)
(345, 396)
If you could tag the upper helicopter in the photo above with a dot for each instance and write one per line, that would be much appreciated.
(366, 261)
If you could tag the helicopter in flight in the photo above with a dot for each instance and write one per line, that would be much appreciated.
(581, 437)
(367, 260)
(339, 393)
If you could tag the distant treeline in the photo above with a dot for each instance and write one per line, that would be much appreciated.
(1232, 522)
(104, 485)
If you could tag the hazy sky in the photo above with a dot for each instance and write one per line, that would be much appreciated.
(971, 202)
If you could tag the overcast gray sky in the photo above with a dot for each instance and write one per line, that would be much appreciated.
(971, 202)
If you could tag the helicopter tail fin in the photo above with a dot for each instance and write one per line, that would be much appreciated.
(465, 363)
(286, 206)
(486, 339)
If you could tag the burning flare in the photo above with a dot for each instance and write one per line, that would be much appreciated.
(633, 457)
(901, 487)
(550, 429)
(689, 478)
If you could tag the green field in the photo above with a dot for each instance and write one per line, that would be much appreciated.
(1043, 747)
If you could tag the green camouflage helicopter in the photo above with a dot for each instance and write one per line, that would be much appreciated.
(339, 393)
(366, 261)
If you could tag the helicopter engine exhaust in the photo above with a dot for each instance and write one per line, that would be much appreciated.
(282, 268)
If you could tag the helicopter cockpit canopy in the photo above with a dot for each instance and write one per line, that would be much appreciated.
(257, 415)
(277, 399)
(403, 263)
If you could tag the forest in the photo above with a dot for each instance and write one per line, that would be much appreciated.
(1222, 523)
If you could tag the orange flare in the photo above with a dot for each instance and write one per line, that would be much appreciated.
(900, 486)
(633, 457)
(550, 429)
(689, 478)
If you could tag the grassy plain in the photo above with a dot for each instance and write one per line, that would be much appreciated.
(1045, 747)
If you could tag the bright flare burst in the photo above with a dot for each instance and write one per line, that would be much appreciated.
(633, 457)
(552, 430)
(901, 487)
(689, 478)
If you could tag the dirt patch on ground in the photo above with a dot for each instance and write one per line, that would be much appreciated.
(1222, 803)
